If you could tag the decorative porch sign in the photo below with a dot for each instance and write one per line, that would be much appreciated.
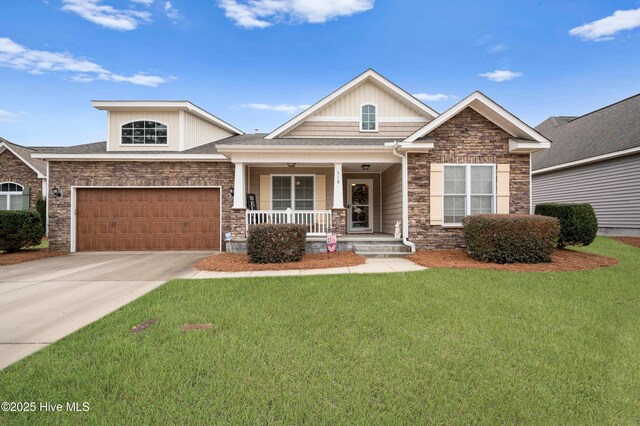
(332, 243)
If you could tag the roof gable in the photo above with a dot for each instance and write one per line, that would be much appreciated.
(24, 155)
(492, 112)
(370, 81)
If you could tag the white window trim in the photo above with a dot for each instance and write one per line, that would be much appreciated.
(10, 193)
(293, 188)
(376, 116)
(143, 144)
(467, 184)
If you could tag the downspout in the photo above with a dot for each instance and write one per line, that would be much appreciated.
(405, 198)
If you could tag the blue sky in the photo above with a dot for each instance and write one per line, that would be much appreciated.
(256, 63)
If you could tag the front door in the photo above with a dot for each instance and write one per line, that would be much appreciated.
(360, 214)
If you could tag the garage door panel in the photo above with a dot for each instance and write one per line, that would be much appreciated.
(148, 219)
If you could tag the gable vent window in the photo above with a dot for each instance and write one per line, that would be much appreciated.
(11, 196)
(144, 133)
(368, 119)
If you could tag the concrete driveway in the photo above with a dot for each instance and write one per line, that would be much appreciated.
(45, 300)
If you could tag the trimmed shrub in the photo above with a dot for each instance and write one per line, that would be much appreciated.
(509, 238)
(276, 243)
(19, 228)
(41, 208)
(578, 222)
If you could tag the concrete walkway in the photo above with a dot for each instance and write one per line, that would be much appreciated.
(44, 300)
(370, 266)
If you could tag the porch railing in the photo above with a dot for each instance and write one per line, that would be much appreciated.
(318, 222)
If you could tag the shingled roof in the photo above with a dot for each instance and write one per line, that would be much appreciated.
(607, 130)
(24, 153)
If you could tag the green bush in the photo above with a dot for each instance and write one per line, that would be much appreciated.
(41, 208)
(19, 228)
(268, 243)
(509, 238)
(578, 222)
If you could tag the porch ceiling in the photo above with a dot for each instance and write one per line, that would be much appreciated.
(346, 167)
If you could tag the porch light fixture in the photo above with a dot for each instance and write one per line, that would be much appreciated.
(291, 164)
(365, 167)
(232, 190)
(56, 191)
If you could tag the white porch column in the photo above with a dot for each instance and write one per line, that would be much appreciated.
(239, 199)
(338, 198)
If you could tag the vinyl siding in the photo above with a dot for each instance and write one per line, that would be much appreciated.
(199, 132)
(612, 187)
(350, 129)
(391, 198)
(349, 103)
(118, 118)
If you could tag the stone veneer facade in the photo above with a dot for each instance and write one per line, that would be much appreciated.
(467, 137)
(65, 174)
(14, 170)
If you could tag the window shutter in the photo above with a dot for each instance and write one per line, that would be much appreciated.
(25, 198)
(265, 192)
(502, 188)
(435, 194)
(321, 192)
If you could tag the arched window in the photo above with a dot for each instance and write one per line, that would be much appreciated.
(144, 133)
(11, 197)
(368, 118)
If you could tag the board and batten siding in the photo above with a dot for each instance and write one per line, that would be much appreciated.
(612, 187)
(349, 103)
(199, 132)
(118, 118)
(391, 198)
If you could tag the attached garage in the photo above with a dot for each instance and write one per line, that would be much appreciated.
(147, 219)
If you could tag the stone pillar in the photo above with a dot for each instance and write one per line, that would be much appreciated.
(338, 197)
(239, 198)
(339, 221)
(238, 224)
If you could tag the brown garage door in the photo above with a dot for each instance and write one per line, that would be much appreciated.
(148, 219)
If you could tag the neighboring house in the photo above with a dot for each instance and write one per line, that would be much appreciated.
(594, 159)
(361, 160)
(22, 178)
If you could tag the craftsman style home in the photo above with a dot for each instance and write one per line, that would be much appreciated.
(368, 162)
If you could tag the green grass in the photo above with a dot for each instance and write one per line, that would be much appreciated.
(442, 346)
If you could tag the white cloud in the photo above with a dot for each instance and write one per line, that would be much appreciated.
(171, 12)
(605, 28)
(6, 116)
(264, 13)
(497, 48)
(280, 108)
(501, 75)
(436, 97)
(144, 2)
(108, 16)
(18, 57)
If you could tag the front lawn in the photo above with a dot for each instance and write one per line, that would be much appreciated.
(441, 345)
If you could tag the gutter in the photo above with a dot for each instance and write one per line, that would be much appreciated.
(405, 197)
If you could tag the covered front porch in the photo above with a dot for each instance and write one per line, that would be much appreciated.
(359, 201)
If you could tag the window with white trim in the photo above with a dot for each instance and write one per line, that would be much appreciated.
(468, 189)
(368, 120)
(144, 133)
(11, 197)
(292, 192)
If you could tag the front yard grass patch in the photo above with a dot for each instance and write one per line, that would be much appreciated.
(440, 346)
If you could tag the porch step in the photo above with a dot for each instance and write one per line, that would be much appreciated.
(381, 249)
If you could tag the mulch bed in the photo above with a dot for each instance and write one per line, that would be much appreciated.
(562, 260)
(28, 255)
(632, 241)
(239, 262)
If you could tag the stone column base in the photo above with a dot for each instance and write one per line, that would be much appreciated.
(339, 221)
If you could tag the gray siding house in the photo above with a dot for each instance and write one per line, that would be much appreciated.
(595, 159)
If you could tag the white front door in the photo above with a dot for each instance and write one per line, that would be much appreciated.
(360, 208)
